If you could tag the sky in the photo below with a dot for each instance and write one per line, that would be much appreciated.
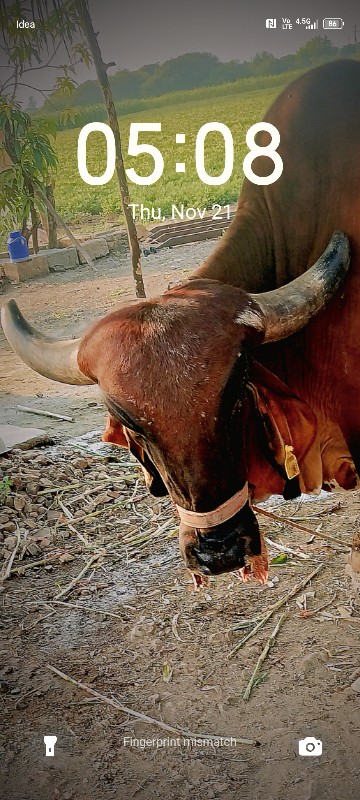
(146, 31)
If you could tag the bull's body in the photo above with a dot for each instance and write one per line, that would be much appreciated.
(281, 229)
(205, 408)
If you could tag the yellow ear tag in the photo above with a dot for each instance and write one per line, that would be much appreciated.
(291, 464)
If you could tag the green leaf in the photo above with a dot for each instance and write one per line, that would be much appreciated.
(67, 114)
(281, 559)
(81, 49)
(39, 161)
(17, 149)
(65, 85)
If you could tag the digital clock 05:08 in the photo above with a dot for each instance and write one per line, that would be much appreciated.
(135, 149)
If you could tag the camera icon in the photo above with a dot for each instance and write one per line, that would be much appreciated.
(310, 747)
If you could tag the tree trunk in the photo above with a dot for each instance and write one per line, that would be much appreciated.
(114, 125)
(51, 221)
(34, 230)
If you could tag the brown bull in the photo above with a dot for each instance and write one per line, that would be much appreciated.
(215, 419)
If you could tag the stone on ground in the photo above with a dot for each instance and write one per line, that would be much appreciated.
(14, 436)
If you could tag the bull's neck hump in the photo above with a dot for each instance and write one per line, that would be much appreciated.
(245, 255)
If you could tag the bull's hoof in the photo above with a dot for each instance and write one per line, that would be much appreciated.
(200, 581)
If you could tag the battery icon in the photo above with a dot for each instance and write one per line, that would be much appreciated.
(333, 23)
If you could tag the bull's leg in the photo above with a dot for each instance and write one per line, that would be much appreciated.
(339, 470)
(353, 443)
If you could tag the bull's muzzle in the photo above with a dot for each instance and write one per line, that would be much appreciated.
(228, 547)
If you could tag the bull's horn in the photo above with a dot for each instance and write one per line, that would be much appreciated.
(290, 307)
(56, 359)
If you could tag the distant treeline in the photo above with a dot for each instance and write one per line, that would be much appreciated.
(134, 90)
(84, 114)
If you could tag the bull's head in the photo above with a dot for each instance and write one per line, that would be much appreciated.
(174, 373)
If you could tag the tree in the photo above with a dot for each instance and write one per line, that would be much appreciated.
(32, 105)
(316, 51)
(26, 183)
(56, 33)
(30, 162)
(263, 63)
(63, 24)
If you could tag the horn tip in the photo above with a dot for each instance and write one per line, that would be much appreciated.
(8, 309)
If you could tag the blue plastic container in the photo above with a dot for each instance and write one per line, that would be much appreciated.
(17, 247)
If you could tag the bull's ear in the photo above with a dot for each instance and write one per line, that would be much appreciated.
(290, 428)
(114, 432)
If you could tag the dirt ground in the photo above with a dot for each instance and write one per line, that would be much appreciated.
(65, 304)
(130, 627)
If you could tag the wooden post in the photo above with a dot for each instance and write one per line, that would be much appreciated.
(62, 224)
(101, 71)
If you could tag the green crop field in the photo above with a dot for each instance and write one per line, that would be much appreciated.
(75, 199)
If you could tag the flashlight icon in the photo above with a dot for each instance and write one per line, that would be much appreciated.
(50, 742)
